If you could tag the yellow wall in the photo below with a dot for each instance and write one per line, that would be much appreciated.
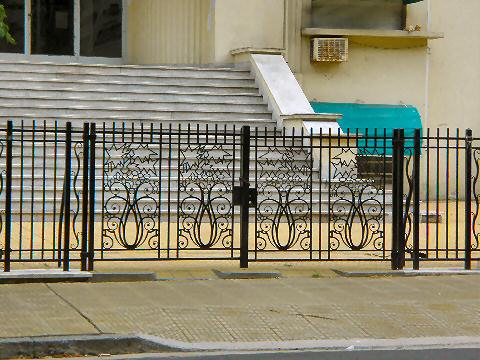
(247, 23)
(454, 91)
(379, 71)
(170, 32)
(441, 78)
(200, 31)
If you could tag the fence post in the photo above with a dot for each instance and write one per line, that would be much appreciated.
(244, 185)
(91, 221)
(86, 131)
(397, 200)
(416, 200)
(8, 197)
(68, 184)
(468, 200)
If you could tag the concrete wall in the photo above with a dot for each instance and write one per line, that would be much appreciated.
(454, 89)
(170, 32)
(247, 23)
(385, 71)
(201, 31)
(441, 78)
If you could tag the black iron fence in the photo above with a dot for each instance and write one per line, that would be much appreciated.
(129, 192)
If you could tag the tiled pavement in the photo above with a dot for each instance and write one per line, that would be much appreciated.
(292, 308)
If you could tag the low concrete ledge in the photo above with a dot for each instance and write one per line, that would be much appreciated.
(40, 275)
(407, 272)
(123, 276)
(251, 50)
(54, 275)
(104, 345)
(82, 345)
(314, 123)
(245, 275)
(242, 56)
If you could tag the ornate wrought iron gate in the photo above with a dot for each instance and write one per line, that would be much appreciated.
(125, 193)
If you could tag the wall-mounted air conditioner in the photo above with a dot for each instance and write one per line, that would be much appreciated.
(329, 49)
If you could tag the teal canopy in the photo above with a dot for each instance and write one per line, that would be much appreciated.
(374, 119)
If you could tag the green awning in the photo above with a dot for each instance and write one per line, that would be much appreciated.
(370, 119)
(406, 2)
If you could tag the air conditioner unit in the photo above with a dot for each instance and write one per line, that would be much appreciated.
(329, 49)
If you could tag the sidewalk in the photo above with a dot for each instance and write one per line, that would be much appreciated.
(321, 307)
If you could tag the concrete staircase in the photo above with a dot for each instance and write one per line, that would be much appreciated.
(37, 190)
(136, 95)
(106, 93)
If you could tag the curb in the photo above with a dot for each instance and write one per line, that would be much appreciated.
(54, 276)
(94, 345)
(82, 345)
(247, 275)
(407, 273)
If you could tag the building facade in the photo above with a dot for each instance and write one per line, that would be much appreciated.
(420, 54)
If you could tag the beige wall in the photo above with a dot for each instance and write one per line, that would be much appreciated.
(201, 31)
(385, 71)
(441, 78)
(170, 32)
(454, 92)
(247, 23)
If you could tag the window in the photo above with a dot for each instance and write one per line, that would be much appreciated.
(65, 27)
(52, 27)
(377, 168)
(358, 14)
(101, 28)
(16, 20)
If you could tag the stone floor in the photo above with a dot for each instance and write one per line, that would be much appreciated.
(311, 306)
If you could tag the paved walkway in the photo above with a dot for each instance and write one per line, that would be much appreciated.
(291, 308)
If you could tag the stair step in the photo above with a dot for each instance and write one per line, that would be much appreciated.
(131, 98)
(102, 106)
(129, 88)
(124, 80)
(118, 69)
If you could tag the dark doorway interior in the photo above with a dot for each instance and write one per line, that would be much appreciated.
(52, 27)
(101, 28)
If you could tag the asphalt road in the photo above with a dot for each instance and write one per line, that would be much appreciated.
(444, 354)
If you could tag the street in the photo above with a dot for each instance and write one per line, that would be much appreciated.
(441, 354)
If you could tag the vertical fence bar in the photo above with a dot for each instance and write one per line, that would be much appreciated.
(44, 186)
(86, 131)
(395, 213)
(91, 200)
(32, 189)
(397, 203)
(403, 216)
(67, 180)
(22, 184)
(468, 200)
(8, 198)
(245, 185)
(416, 201)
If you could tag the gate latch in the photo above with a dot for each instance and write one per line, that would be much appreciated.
(244, 196)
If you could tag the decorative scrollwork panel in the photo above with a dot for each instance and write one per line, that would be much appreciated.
(476, 198)
(205, 187)
(284, 207)
(2, 209)
(408, 199)
(131, 200)
(356, 200)
(77, 161)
